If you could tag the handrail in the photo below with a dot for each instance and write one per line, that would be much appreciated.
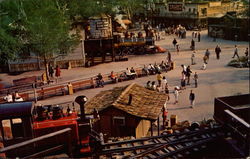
(25, 143)
(243, 122)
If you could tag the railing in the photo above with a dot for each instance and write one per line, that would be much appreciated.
(33, 144)
(241, 128)
(86, 83)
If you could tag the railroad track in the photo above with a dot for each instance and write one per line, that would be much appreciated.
(176, 145)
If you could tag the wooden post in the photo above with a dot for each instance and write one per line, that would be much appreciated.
(151, 124)
(158, 126)
(42, 92)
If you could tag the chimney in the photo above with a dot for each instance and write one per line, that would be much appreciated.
(130, 99)
(81, 100)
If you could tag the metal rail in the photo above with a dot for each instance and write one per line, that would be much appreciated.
(160, 146)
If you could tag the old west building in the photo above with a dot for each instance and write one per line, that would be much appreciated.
(189, 13)
(126, 111)
(229, 26)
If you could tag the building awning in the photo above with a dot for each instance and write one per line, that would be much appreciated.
(126, 21)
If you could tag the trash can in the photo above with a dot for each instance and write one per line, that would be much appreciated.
(172, 65)
(173, 120)
(70, 89)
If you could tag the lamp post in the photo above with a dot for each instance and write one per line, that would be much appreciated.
(83, 52)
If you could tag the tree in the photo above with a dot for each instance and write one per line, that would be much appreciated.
(12, 31)
(48, 29)
(130, 6)
(42, 25)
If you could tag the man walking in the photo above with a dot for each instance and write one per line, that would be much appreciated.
(176, 94)
(192, 45)
(217, 51)
(174, 42)
(188, 74)
(207, 53)
(191, 98)
(199, 37)
(193, 58)
(236, 52)
(196, 79)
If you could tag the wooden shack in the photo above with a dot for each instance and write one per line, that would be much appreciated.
(126, 111)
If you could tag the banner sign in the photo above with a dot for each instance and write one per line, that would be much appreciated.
(175, 7)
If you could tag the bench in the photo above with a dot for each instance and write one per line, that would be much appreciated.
(139, 72)
(24, 81)
(81, 84)
(53, 91)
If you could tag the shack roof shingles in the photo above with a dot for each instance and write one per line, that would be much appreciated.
(145, 103)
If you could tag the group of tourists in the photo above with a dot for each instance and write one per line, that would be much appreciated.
(161, 86)
(196, 35)
(178, 30)
(185, 80)
(15, 97)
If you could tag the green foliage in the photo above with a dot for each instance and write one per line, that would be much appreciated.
(241, 62)
(48, 28)
(42, 26)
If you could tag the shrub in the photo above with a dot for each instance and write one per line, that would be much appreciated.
(241, 62)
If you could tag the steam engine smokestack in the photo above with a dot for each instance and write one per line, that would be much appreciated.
(81, 100)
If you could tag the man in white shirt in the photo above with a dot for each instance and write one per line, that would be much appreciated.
(8, 98)
(236, 52)
(176, 94)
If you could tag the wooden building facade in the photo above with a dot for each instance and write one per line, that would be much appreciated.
(126, 111)
(229, 27)
(189, 13)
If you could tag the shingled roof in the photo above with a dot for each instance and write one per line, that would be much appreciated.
(145, 104)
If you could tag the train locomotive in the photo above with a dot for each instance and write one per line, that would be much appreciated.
(102, 44)
(22, 122)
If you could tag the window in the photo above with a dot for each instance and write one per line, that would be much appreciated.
(204, 11)
(189, 9)
(12, 128)
(193, 10)
(118, 121)
(17, 121)
(7, 129)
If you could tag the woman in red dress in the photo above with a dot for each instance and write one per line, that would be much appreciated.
(58, 71)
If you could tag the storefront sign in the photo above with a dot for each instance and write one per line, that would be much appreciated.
(175, 7)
